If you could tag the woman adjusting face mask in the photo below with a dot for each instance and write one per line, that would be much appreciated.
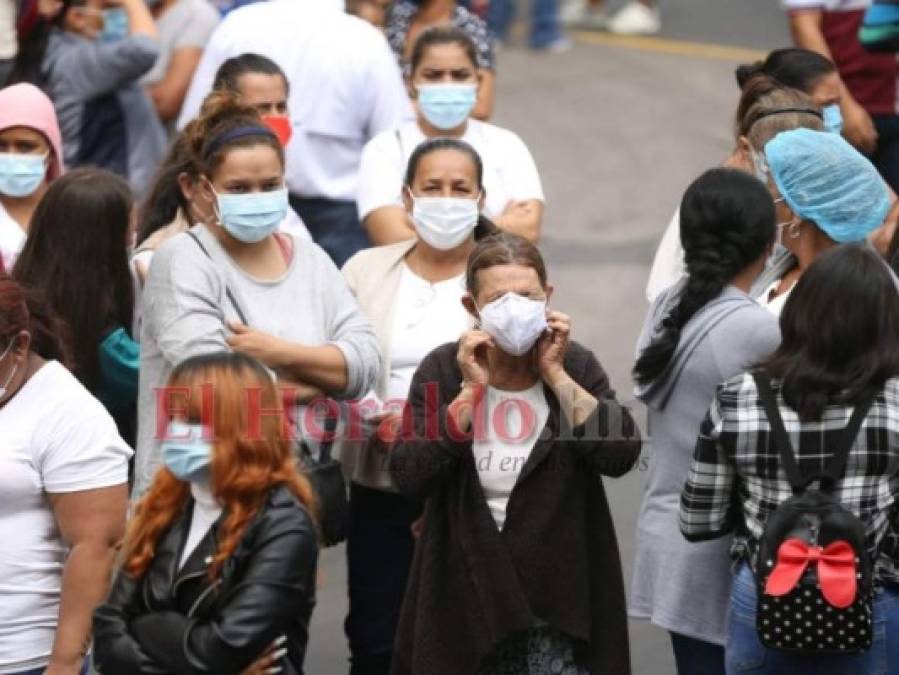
(514, 322)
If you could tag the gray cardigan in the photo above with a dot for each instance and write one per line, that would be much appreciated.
(679, 586)
(186, 309)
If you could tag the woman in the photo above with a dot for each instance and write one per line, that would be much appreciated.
(412, 294)
(444, 80)
(88, 59)
(30, 158)
(84, 275)
(63, 477)
(806, 71)
(219, 560)
(184, 28)
(698, 333)
(234, 282)
(175, 204)
(827, 193)
(407, 19)
(506, 435)
(765, 109)
(839, 349)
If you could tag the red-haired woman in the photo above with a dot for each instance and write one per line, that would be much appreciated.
(219, 561)
(63, 495)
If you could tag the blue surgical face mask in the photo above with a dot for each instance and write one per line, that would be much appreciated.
(185, 452)
(447, 106)
(251, 217)
(833, 118)
(20, 174)
(115, 25)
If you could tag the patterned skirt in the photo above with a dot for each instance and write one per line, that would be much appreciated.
(539, 651)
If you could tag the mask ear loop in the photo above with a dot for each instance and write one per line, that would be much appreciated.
(794, 231)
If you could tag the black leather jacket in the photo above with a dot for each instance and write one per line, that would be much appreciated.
(177, 622)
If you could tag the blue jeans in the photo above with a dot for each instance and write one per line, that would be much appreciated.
(696, 657)
(334, 225)
(379, 556)
(746, 654)
(545, 24)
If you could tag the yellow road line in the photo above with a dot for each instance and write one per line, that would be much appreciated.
(676, 47)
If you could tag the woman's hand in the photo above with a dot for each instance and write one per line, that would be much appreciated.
(267, 348)
(472, 357)
(858, 127)
(267, 663)
(552, 347)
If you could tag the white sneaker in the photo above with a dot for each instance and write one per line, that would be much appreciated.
(579, 14)
(635, 18)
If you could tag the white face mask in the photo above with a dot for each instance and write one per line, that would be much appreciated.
(12, 373)
(514, 322)
(444, 222)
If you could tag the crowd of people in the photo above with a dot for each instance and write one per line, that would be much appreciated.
(272, 282)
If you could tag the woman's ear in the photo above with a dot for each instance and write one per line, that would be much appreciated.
(408, 202)
(22, 344)
(549, 292)
(410, 88)
(482, 199)
(742, 155)
(186, 185)
(469, 304)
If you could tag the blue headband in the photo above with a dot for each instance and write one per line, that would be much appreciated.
(234, 134)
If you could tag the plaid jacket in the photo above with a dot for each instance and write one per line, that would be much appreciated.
(736, 481)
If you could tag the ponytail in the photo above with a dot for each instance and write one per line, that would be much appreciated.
(727, 224)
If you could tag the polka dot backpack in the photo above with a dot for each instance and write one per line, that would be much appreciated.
(814, 573)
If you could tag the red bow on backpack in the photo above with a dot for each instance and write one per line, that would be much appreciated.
(835, 567)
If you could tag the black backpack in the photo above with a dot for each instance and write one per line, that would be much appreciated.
(812, 567)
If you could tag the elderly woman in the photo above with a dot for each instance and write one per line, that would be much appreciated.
(507, 434)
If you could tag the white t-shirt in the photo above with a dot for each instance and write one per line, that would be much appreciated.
(426, 316)
(509, 169)
(12, 239)
(205, 512)
(776, 305)
(345, 86)
(668, 263)
(54, 437)
(515, 420)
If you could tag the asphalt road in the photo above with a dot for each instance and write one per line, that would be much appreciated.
(618, 130)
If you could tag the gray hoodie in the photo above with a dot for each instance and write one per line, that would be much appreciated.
(680, 586)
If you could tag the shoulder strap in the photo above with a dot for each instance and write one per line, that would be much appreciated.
(837, 465)
(778, 431)
(228, 292)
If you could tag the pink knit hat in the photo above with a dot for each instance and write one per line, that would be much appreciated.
(24, 105)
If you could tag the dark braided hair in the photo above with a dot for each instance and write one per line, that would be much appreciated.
(727, 223)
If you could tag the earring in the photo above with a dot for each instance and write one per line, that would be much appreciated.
(794, 231)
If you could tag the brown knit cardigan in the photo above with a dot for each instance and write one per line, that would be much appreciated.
(556, 559)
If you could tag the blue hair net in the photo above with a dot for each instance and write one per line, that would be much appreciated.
(825, 180)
